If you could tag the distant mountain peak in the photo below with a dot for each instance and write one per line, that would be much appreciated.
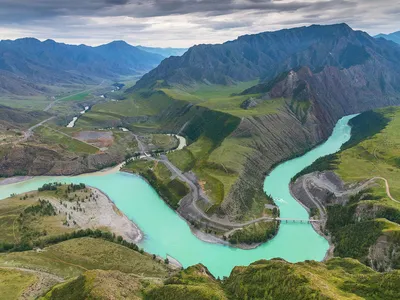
(165, 52)
(394, 37)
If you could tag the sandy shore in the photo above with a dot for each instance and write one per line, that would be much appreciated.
(12, 180)
(100, 213)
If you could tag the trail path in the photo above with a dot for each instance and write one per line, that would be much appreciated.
(48, 107)
(29, 132)
(311, 178)
(387, 188)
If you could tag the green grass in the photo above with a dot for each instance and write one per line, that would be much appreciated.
(21, 224)
(109, 114)
(135, 105)
(232, 153)
(218, 168)
(255, 233)
(375, 156)
(13, 283)
(213, 187)
(207, 92)
(194, 283)
(25, 102)
(171, 189)
(98, 284)
(164, 141)
(49, 136)
(337, 279)
(77, 97)
(182, 159)
(225, 99)
(279, 280)
(10, 210)
(231, 105)
(73, 257)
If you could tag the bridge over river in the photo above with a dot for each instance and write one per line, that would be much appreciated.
(288, 220)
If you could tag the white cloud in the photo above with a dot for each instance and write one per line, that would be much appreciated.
(182, 23)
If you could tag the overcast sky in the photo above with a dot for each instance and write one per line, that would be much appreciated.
(183, 23)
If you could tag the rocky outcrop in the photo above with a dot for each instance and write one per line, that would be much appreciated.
(249, 103)
(384, 255)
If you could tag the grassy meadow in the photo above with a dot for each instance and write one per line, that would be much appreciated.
(51, 136)
(376, 156)
(13, 283)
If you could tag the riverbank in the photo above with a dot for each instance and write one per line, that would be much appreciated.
(318, 227)
(103, 213)
(16, 179)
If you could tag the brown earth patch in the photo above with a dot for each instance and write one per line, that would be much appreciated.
(100, 139)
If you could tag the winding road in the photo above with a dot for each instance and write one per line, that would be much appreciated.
(195, 196)
(312, 179)
(387, 188)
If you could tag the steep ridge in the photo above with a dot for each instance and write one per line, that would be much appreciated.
(28, 64)
(268, 54)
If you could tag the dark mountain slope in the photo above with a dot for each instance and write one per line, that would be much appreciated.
(395, 36)
(20, 117)
(27, 63)
(268, 54)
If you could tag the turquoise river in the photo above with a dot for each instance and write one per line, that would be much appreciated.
(168, 234)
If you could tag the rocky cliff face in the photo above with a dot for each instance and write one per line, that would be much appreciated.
(315, 102)
(274, 138)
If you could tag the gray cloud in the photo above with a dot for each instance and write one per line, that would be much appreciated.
(28, 9)
(183, 22)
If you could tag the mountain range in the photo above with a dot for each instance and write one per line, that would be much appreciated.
(266, 55)
(165, 52)
(395, 36)
(28, 66)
